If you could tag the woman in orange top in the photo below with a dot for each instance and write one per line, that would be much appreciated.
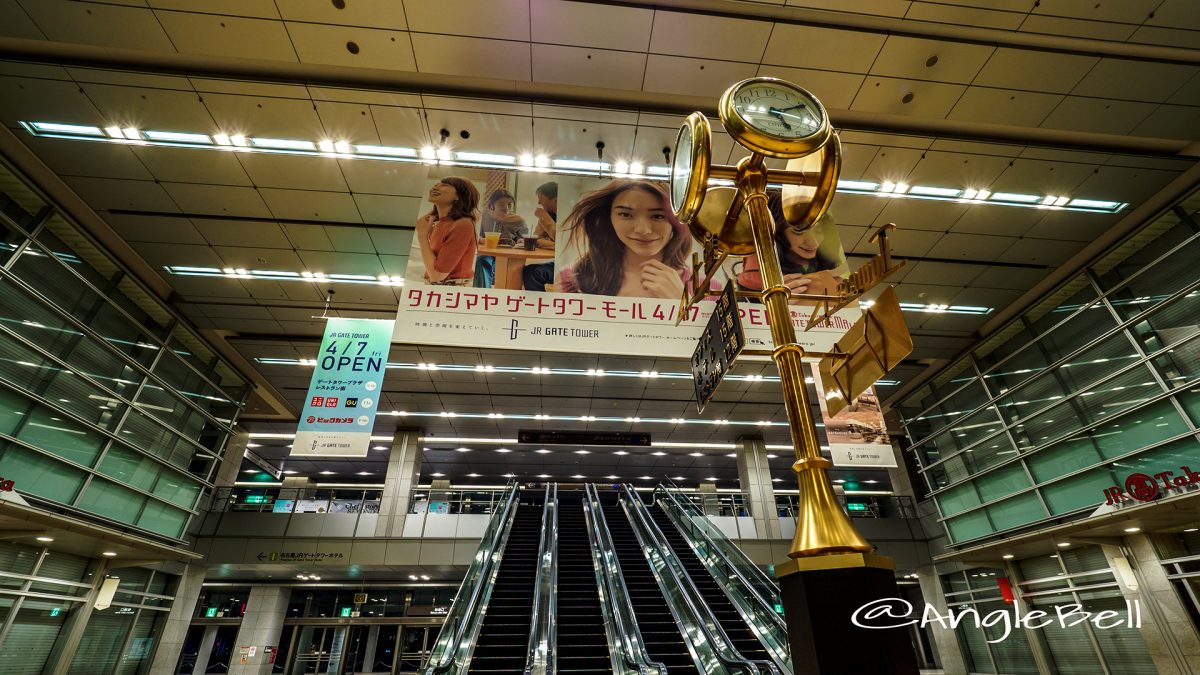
(446, 235)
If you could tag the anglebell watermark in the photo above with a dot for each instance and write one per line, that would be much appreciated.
(898, 613)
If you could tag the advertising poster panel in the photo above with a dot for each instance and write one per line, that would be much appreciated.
(339, 410)
(574, 263)
(857, 435)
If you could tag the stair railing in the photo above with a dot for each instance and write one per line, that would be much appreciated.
(451, 651)
(626, 647)
(712, 649)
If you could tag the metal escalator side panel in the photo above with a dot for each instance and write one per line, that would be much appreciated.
(713, 649)
(627, 649)
(733, 578)
(452, 649)
(540, 649)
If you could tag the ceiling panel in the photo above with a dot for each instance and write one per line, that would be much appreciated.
(574, 23)
(387, 210)
(220, 35)
(588, 66)
(1034, 71)
(102, 160)
(262, 234)
(1004, 106)
(822, 48)
(475, 57)
(186, 165)
(918, 59)
(98, 24)
(1101, 115)
(310, 205)
(887, 95)
(111, 193)
(709, 37)
(351, 46)
(294, 172)
(370, 13)
(156, 229)
(217, 199)
(693, 77)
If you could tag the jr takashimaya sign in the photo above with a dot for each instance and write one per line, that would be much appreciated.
(343, 395)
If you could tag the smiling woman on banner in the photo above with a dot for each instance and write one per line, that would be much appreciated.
(446, 235)
(633, 244)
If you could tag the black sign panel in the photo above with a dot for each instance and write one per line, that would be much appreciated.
(550, 437)
(722, 341)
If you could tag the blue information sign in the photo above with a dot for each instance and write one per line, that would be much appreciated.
(339, 411)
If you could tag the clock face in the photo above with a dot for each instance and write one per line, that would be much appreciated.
(681, 169)
(778, 109)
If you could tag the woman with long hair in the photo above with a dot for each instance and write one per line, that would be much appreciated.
(446, 235)
(634, 245)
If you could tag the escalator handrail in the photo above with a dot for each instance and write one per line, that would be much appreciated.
(762, 579)
(698, 614)
(759, 614)
(620, 627)
(465, 616)
(540, 654)
(749, 574)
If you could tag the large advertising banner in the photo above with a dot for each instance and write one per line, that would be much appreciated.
(582, 264)
(339, 411)
(857, 435)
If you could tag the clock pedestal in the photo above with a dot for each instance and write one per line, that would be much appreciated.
(820, 597)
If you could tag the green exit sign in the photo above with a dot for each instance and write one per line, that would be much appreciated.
(855, 506)
(345, 611)
(56, 611)
(210, 612)
(256, 499)
(778, 608)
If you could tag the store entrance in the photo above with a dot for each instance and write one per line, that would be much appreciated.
(360, 649)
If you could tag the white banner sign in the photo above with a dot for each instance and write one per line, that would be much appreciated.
(857, 435)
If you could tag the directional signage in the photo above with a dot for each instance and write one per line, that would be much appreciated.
(720, 344)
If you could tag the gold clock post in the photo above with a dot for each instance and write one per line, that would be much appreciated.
(831, 570)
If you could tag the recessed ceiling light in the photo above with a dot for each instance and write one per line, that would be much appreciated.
(732, 454)
(503, 450)
(1192, 529)
(109, 554)
(463, 449)
(1064, 544)
(438, 474)
(424, 577)
(473, 475)
(510, 475)
(543, 475)
(364, 473)
(250, 470)
(46, 539)
(1131, 530)
(696, 454)
(582, 452)
(611, 477)
(772, 456)
(677, 478)
(577, 476)
(776, 480)
(710, 478)
(290, 472)
(658, 453)
(542, 451)
(1007, 556)
(379, 447)
(644, 478)
(326, 473)
(620, 452)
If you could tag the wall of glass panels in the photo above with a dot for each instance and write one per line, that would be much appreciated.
(1098, 380)
(40, 590)
(1071, 577)
(110, 407)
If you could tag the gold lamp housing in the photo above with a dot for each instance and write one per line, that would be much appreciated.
(752, 134)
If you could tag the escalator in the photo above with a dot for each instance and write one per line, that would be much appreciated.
(582, 647)
(743, 638)
(663, 641)
(503, 637)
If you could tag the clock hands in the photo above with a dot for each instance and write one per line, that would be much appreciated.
(798, 105)
(779, 115)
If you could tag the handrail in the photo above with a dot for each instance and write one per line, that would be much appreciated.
(681, 595)
(459, 632)
(730, 568)
(626, 648)
(758, 581)
(540, 652)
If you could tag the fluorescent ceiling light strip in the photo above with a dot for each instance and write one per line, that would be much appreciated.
(1015, 197)
(55, 128)
(527, 162)
(485, 157)
(282, 144)
(284, 275)
(933, 191)
(386, 150)
(179, 137)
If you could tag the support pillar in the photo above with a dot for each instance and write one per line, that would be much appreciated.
(73, 628)
(231, 459)
(205, 653)
(261, 626)
(1171, 637)
(403, 470)
(754, 475)
(170, 642)
(945, 642)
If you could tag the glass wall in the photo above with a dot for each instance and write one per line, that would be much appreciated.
(41, 590)
(109, 406)
(1097, 381)
(1071, 577)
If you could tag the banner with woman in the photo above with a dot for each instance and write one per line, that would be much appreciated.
(577, 263)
